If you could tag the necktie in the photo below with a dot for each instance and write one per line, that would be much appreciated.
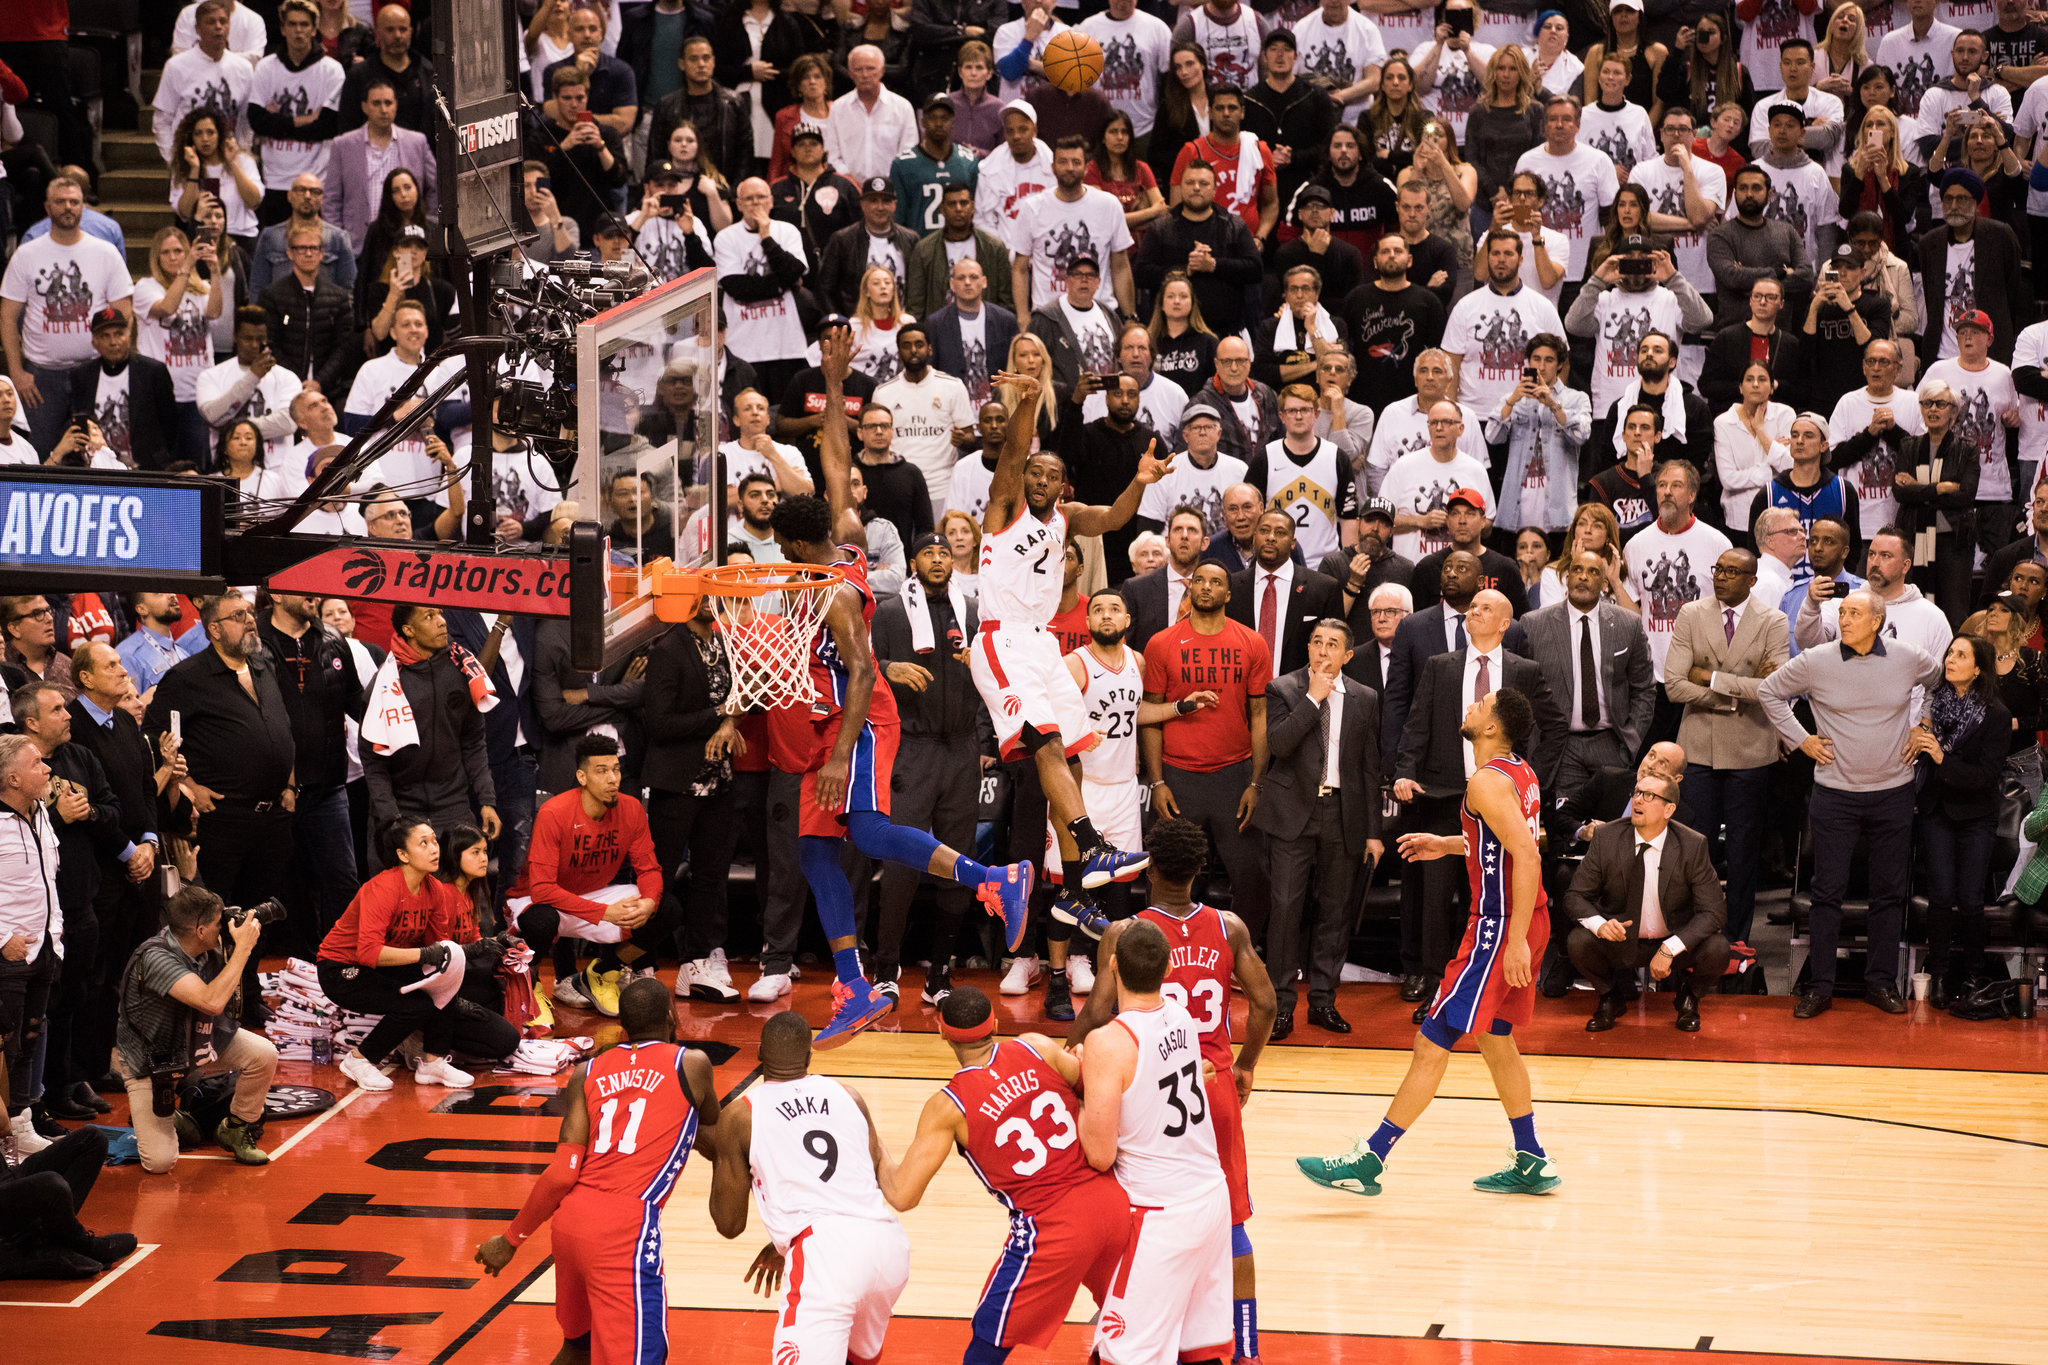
(1650, 923)
(1269, 615)
(1460, 643)
(1632, 897)
(1482, 685)
(1325, 726)
(1589, 677)
(1729, 627)
(1185, 605)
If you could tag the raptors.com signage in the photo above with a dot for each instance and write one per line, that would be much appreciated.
(532, 585)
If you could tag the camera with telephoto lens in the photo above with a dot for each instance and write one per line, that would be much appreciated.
(269, 912)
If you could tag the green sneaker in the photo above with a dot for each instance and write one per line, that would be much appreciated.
(1526, 1174)
(235, 1136)
(187, 1130)
(1357, 1170)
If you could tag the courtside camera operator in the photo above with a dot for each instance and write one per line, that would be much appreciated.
(175, 1021)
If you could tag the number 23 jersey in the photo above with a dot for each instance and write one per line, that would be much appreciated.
(1198, 975)
(1023, 1134)
(810, 1157)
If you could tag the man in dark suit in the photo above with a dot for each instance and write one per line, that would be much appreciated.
(1995, 264)
(1430, 632)
(1299, 597)
(1384, 608)
(1430, 773)
(1646, 895)
(1159, 598)
(129, 395)
(1596, 659)
(967, 301)
(1320, 804)
(1572, 818)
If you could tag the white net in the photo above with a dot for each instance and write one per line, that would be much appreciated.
(769, 617)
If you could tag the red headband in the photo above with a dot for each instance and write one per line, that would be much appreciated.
(973, 1033)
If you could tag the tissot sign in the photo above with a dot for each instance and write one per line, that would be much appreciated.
(533, 585)
(484, 134)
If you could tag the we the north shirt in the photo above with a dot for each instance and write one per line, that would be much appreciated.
(1235, 664)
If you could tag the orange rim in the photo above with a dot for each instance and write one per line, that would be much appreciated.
(750, 580)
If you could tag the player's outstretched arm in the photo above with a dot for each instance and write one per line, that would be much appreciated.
(939, 1127)
(732, 1172)
(1257, 985)
(1106, 1070)
(1055, 1055)
(702, 1090)
(552, 1187)
(835, 444)
(1101, 1006)
(1006, 485)
(1494, 799)
(1086, 520)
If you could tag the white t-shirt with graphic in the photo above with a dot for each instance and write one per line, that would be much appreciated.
(1135, 55)
(1339, 54)
(1492, 333)
(191, 80)
(770, 330)
(1801, 196)
(1189, 485)
(1403, 429)
(1418, 484)
(295, 93)
(1758, 51)
(273, 393)
(1960, 294)
(1051, 231)
(1003, 183)
(1665, 571)
(408, 460)
(2031, 348)
(1877, 501)
(1622, 320)
(1919, 63)
(1983, 397)
(1665, 184)
(1578, 186)
(59, 289)
(926, 414)
(1233, 48)
(1459, 77)
(1095, 339)
(180, 341)
(1621, 135)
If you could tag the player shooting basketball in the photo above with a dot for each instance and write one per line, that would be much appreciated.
(854, 727)
(1034, 701)
(1489, 987)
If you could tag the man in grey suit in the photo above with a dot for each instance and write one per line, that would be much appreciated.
(1721, 651)
(1646, 896)
(1596, 659)
(1320, 803)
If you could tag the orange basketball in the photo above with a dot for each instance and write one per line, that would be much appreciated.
(1073, 61)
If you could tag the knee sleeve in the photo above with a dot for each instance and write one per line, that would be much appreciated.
(1240, 1241)
(981, 1352)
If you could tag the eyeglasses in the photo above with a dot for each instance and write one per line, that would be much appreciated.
(1655, 796)
(1525, 194)
(40, 614)
(1446, 421)
(1799, 531)
(1297, 411)
(297, 249)
(1385, 611)
(240, 618)
(1937, 403)
(1730, 571)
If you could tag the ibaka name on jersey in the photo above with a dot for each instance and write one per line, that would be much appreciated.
(796, 1106)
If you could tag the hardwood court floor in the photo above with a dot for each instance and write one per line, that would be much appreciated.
(1725, 1201)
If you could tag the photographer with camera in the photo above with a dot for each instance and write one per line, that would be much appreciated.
(177, 1019)
(396, 932)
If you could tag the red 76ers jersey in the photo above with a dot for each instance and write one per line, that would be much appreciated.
(642, 1124)
(1492, 868)
(1023, 1138)
(1198, 975)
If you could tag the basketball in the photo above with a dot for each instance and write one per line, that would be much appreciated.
(1072, 61)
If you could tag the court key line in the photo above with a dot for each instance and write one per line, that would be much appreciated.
(295, 1139)
(134, 1259)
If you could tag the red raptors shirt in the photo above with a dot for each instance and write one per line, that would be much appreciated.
(386, 915)
(1198, 974)
(1234, 664)
(642, 1124)
(1022, 1138)
(1070, 628)
(572, 853)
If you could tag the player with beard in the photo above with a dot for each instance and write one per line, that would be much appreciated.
(854, 729)
(1490, 986)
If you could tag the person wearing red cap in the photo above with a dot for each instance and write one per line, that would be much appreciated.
(1987, 408)
(1466, 521)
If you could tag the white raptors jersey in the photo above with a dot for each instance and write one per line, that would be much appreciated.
(1112, 696)
(1023, 567)
(810, 1157)
(1308, 493)
(1165, 1143)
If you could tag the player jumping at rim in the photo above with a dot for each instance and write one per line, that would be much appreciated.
(653, 1098)
(1011, 1109)
(1034, 701)
(1209, 949)
(854, 728)
(1488, 987)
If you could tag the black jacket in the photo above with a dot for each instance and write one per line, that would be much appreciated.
(799, 205)
(450, 766)
(2001, 292)
(610, 702)
(1310, 598)
(582, 185)
(331, 692)
(1964, 785)
(317, 336)
(1287, 792)
(1728, 356)
(845, 260)
(125, 757)
(949, 708)
(937, 29)
(414, 88)
(677, 712)
(1418, 639)
(152, 406)
(1919, 504)
(84, 848)
(782, 42)
(1049, 325)
(1496, 571)
(1170, 240)
(2000, 565)
(725, 127)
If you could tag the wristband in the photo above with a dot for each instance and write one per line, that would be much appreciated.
(1184, 706)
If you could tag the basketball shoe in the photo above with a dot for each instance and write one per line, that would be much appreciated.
(1008, 898)
(1525, 1173)
(1356, 1171)
(1103, 864)
(855, 1005)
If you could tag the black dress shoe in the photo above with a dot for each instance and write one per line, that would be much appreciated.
(1326, 1017)
(1283, 1024)
(45, 1123)
(1940, 993)
(1414, 987)
(1688, 1012)
(62, 1104)
(107, 1083)
(84, 1094)
(1421, 1013)
(1812, 1003)
(1603, 1015)
(1886, 998)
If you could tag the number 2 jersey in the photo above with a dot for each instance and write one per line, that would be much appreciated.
(642, 1124)
(810, 1157)
(1198, 975)
(1023, 570)
(1023, 1137)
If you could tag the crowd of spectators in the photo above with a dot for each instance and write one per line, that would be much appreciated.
(1683, 376)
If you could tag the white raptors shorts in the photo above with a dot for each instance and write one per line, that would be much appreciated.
(575, 926)
(841, 1280)
(1171, 1297)
(1023, 680)
(1113, 809)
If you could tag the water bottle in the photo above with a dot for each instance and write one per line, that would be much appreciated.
(323, 1050)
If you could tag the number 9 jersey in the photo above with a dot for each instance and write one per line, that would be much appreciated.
(1199, 970)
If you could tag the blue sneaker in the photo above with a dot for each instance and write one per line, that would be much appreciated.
(1104, 865)
(855, 1005)
(1076, 909)
(1008, 898)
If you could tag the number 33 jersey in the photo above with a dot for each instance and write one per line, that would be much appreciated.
(810, 1157)
(1198, 975)
(1023, 1137)
(1166, 1141)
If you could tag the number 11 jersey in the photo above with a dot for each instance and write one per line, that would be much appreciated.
(810, 1157)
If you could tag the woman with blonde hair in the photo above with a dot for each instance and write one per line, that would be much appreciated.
(1028, 357)
(1183, 347)
(875, 320)
(1842, 52)
(1450, 185)
(174, 306)
(1507, 123)
(962, 534)
(1594, 528)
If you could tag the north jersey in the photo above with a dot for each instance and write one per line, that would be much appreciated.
(1198, 975)
(1492, 869)
(1165, 1142)
(1023, 570)
(828, 670)
(642, 1124)
(1023, 1134)
(810, 1157)
(1112, 696)
(1317, 492)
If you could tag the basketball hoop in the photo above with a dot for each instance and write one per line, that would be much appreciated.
(769, 651)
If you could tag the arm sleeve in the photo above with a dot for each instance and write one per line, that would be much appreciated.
(547, 1193)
